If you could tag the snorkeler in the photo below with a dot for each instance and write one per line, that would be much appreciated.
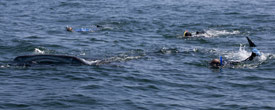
(70, 29)
(189, 34)
(216, 63)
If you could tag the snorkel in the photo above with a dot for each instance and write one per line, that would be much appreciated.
(221, 61)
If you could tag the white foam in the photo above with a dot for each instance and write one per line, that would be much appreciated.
(242, 54)
(123, 58)
(109, 60)
(215, 33)
(91, 62)
(82, 53)
(38, 51)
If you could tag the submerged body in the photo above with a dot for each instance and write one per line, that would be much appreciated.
(28, 60)
(50, 59)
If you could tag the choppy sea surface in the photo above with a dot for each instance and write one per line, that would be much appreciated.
(152, 66)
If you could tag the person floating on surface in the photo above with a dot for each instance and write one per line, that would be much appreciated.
(70, 29)
(189, 34)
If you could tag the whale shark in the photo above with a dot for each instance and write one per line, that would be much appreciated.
(50, 59)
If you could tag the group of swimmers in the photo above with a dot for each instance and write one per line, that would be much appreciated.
(64, 59)
(219, 63)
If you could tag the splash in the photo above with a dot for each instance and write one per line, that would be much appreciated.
(110, 60)
(242, 54)
(91, 62)
(211, 33)
(168, 50)
(215, 33)
(4, 66)
(38, 51)
(83, 53)
(122, 58)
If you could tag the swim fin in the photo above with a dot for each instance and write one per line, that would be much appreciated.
(251, 44)
(255, 52)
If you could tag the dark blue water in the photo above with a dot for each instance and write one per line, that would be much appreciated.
(153, 67)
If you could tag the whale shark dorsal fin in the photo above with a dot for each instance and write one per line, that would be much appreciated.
(251, 44)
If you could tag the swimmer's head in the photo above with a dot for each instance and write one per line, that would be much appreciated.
(187, 34)
(215, 63)
(69, 29)
(98, 26)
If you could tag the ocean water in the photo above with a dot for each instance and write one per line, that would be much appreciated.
(152, 66)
